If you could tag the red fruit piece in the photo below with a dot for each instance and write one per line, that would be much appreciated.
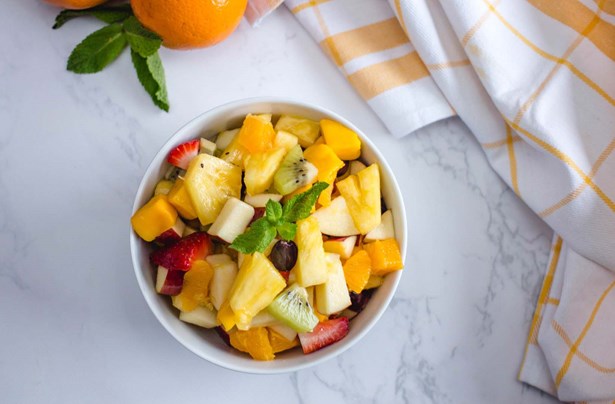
(325, 333)
(168, 237)
(169, 282)
(182, 154)
(181, 255)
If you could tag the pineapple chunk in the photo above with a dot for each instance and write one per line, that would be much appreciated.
(210, 181)
(234, 153)
(305, 129)
(285, 140)
(362, 195)
(260, 169)
(154, 218)
(179, 198)
(332, 296)
(257, 284)
(311, 268)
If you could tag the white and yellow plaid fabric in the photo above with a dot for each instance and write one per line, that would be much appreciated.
(535, 82)
(256, 10)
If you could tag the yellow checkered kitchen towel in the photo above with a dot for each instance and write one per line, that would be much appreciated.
(535, 82)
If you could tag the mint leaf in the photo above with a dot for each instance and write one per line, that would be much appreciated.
(105, 14)
(97, 50)
(151, 75)
(256, 238)
(299, 206)
(141, 40)
(287, 231)
(273, 212)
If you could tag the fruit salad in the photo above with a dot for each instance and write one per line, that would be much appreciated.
(274, 234)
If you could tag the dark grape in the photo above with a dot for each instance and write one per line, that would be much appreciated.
(284, 255)
(359, 300)
(343, 170)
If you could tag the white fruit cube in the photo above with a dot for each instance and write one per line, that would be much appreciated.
(386, 228)
(221, 282)
(332, 296)
(201, 316)
(207, 146)
(356, 166)
(335, 219)
(341, 246)
(225, 138)
(218, 259)
(260, 200)
(232, 220)
(284, 331)
(263, 319)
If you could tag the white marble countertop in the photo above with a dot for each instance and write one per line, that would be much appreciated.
(75, 327)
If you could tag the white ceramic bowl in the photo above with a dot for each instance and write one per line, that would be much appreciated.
(206, 343)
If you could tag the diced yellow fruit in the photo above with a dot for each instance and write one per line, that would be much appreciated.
(257, 284)
(254, 341)
(311, 268)
(210, 182)
(344, 142)
(154, 218)
(256, 134)
(285, 140)
(320, 140)
(163, 187)
(328, 164)
(385, 256)
(374, 281)
(226, 317)
(234, 153)
(357, 270)
(279, 343)
(179, 198)
(260, 169)
(362, 195)
(195, 290)
(305, 129)
(297, 191)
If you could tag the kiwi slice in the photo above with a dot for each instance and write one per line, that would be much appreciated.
(294, 172)
(293, 309)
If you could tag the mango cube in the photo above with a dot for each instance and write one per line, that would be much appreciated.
(328, 164)
(344, 142)
(154, 218)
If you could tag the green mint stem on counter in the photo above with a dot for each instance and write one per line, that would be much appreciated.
(102, 47)
(278, 219)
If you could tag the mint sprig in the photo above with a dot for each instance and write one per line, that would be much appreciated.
(278, 219)
(102, 47)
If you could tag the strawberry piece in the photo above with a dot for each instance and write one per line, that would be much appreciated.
(184, 153)
(180, 255)
(285, 275)
(168, 237)
(325, 333)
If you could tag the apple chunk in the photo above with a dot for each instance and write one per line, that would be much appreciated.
(169, 282)
(201, 316)
(342, 246)
(233, 220)
(384, 230)
(173, 234)
(335, 219)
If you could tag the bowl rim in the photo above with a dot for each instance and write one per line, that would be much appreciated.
(384, 167)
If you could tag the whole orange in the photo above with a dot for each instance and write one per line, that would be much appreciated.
(186, 24)
(75, 4)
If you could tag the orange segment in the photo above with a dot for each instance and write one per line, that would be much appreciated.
(344, 142)
(385, 256)
(328, 164)
(357, 270)
(279, 343)
(154, 218)
(256, 134)
(195, 291)
(254, 341)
